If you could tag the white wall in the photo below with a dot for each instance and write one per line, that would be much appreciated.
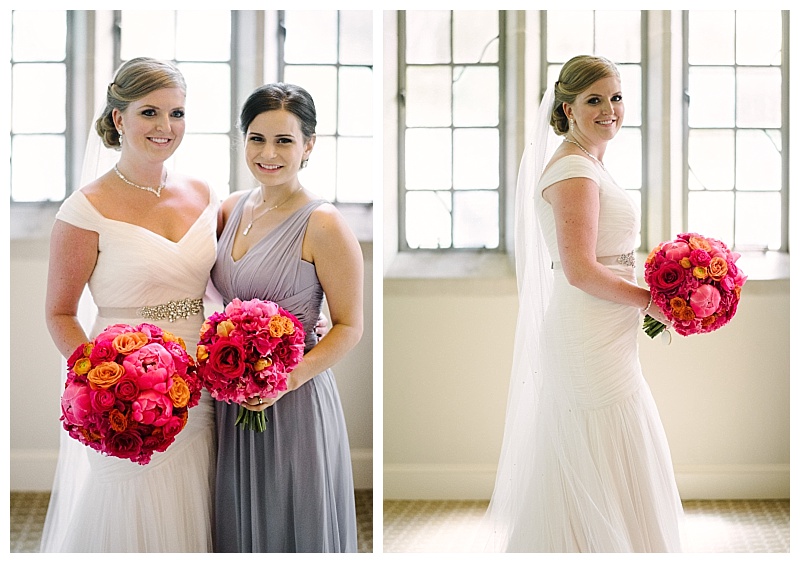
(723, 397)
(35, 366)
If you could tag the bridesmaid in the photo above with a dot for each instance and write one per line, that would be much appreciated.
(289, 488)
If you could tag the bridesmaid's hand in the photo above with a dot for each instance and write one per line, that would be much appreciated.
(322, 327)
(257, 404)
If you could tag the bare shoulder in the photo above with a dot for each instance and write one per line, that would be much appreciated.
(328, 230)
(230, 202)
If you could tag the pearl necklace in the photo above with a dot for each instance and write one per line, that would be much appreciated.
(156, 191)
(587, 152)
(260, 215)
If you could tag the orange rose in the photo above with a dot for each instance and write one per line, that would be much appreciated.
(677, 304)
(718, 268)
(82, 366)
(179, 392)
(279, 326)
(118, 421)
(105, 375)
(708, 321)
(686, 314)
(700, 272)
(130, 341)
(225, 328)
(700, 243)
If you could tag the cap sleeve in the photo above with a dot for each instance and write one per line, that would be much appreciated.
(570, 166)
(79, 212)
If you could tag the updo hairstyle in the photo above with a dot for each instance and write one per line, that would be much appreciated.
(134, 80)
(575, 77)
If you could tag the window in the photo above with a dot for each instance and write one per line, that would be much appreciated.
(737, 168)
(329, 53)
(598, 33)
(38, 118)
(451, 130)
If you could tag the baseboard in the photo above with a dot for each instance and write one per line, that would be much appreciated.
(33, 470)
(476, 482)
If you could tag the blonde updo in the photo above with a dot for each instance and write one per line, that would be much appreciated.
(575, 77)
(133, 81)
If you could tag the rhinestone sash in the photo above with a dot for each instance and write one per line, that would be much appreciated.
(171, 310)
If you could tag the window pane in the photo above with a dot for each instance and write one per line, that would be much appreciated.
(39, 98)
(147, 33)
(355, 37)
(320, 82)
(475, 220)
(203, 35)
(354, 170)
(475, 36)
(569, 33)
(428, 96)
(208, 97)
(757, 224)
(319, 176)
(476, 96)
(355, 101)
(427, 37)
(758, 37)
(428, 159)
(39, 35)
(711, 36)
(631, 79)
(712, 101)
(711, 161)
(475, 159)
(619, 47)
(758, 97)
(622, 158)
(207, 157)
(30, 181)
(758, 160)
(711, 214)
(428, 219)
(311, 36)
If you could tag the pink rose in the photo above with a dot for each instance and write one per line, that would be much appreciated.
(112, 331)
(152, 331)
(675, 250)
(179, 355)
(152, 366)
(76, 403)
(103, 399)
(126, 389)
(103, 351)
(227, 357)
(172, 427)
(700, 257)
(151, 407)
(667, 279)
(705, 300)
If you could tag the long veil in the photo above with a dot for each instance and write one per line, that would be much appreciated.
(72, 469)
(534, 286)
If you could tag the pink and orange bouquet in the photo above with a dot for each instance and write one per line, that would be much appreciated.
(695, 282)
(128, 392)
(247, 351)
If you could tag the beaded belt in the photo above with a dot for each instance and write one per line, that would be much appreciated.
(171, 311)
(628, 259)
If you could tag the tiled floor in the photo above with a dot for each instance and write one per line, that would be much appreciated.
(28, 510)
(715, 526)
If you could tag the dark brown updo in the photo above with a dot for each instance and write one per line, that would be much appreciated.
(575, 77)
(133, 81)
(279, 95)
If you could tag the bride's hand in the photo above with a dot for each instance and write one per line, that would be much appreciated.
(658, 315)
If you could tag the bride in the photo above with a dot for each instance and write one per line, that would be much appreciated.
(585, 465)
(138, 237)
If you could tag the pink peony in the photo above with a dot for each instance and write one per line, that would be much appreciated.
(112, 331)
(705, 300)
(675, 250)
(152, 366)
(152, 407)
(76, 403)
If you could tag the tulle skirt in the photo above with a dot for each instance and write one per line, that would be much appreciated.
(596, 474)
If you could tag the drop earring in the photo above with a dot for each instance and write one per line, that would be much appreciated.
(120, 137)
(572, 126)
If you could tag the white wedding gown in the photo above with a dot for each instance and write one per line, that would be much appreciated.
(595, 473)
(108, 504)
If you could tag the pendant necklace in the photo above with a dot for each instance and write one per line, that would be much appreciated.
(260, 215)
(156, 191)
(587, 152)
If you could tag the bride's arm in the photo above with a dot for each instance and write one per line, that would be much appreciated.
(73, 255)
(576, 207)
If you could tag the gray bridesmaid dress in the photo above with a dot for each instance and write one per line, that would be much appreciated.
(290, 488)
